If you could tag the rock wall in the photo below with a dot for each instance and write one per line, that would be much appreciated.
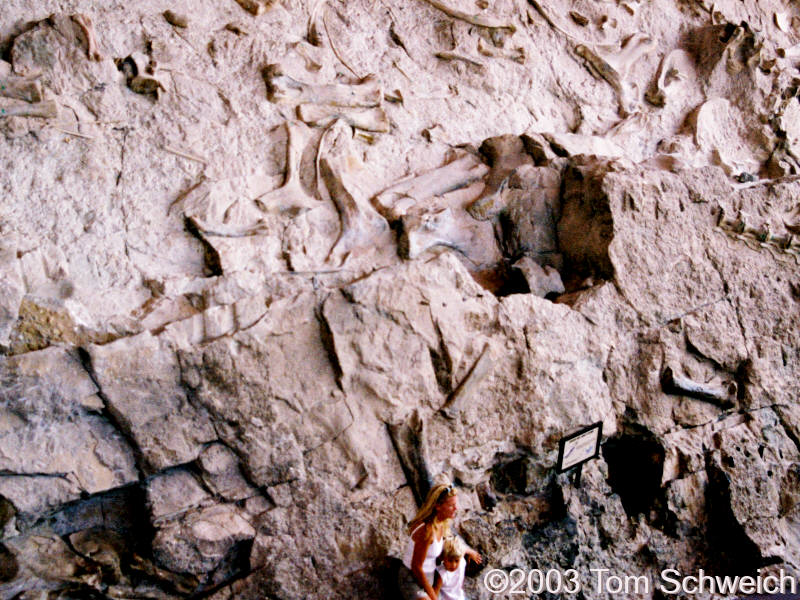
(269, 268)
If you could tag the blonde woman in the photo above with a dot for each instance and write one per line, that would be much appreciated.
(427, 531)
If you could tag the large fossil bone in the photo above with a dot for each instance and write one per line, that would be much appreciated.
(683, 386)
(366, 119)
(451, 228)
(410, 443)
(290, 197)
(283, 89)
(470, 384)
(21, 88)
(397, 199)
(42, 110)
(613, 66)
(360, 222)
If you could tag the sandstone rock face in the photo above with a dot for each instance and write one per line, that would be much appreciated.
(270, 269)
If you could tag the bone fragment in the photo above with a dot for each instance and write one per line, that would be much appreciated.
(360, 223)
(195, 224)
(450, 228)
(86, 27)
(446, 55)
(549, 20)
(366, 119)
(397, 199)
(42, 110)
(410, 443)
(283, 89)
(237, 28)
(467, 388)
(290, 197)
(21, 88)
(479, 20)
(176, 19)
(186, 155)
(335, 48)
(614, 66)
(683, 386)
(517, 54)
(578, 18)
(254, 7)
(675, 66)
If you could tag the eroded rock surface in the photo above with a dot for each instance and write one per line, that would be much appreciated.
(269, 269)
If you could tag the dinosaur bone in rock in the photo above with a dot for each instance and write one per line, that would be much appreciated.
(361, 225)
(451, 228)
(87, 28)
(366, 119)
(517, 54)
(42, 110)
(676, 384)
(21, 88)
(613, 65)
(469, 386)
(675, 66)
(290, 197)
(474, 19)
(283, 89)
(397, 199)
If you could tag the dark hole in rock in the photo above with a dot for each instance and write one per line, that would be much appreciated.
(732, 551)
(635, 466)
(8, 564)
(515, 283)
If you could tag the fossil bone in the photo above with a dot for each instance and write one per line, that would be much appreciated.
(42, 110)
(677, 65)
(397, 199)
(410, 443)
(367, 119)
(254, 7)
(446, 55)
(283, 89)
(517, 54)
(290, 197)
(469, 386)
(21, 88)
(683, 386)
(87, 28)
(451, 228)
(360, 223)
(614, 66)
(176, 19)
(479, 20)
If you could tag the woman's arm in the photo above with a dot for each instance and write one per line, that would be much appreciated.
(421, 543)
(437, 584)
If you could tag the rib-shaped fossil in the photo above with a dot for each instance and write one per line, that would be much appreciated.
(474, 19)
(360, 223)
(467, 388)
(283, 89)
(397, 199)
(21, 88)
(366, 119)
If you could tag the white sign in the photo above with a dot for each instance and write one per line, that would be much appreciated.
(579, 447)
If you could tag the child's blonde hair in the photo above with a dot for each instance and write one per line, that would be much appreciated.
(453, 548)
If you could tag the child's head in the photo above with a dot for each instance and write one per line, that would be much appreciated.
(452, 552)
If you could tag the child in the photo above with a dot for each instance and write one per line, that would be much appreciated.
(450, 574)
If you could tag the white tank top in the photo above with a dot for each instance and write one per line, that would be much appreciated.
(434, 550)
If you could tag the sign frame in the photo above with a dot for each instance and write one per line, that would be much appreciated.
(562, 445)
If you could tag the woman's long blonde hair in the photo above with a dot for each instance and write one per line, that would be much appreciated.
(427, 512)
